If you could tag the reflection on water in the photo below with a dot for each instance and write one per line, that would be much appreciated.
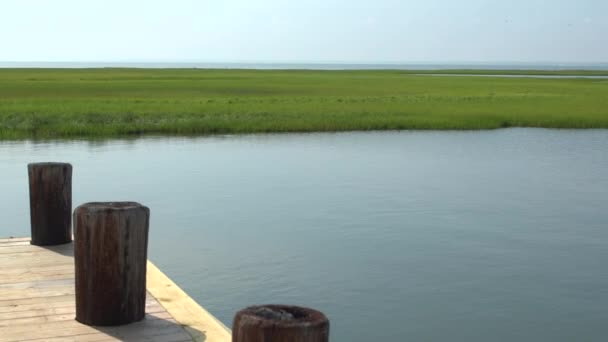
(421, 236)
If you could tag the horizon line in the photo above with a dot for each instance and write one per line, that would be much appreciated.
(311, 62)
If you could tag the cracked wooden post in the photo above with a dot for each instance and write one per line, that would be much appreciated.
(280, 323)
(110, 252)
(50, 203)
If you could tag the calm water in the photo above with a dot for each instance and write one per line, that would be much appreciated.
(410, 236)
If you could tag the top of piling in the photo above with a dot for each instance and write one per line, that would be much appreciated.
(111, 206)
(49, 164)
(283, 315)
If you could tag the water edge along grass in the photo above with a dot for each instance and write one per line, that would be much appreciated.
(67, 103)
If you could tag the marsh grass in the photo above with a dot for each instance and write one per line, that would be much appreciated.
(57, 103)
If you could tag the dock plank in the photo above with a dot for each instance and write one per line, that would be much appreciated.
(13, 239)
(26, 247)
(37, 302)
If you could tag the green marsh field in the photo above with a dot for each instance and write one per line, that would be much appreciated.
(83, 103)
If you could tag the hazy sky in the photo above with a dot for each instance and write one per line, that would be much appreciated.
(305, 30)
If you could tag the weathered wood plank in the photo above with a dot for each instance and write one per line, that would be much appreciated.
(66, 274)
(32, 255)
(197, 321)
(37, 302)
(42, 311)
(39, 284)
(10, 294)
(34, 300)
(15, 239)
(66, 308)
(66, 248)
(25, 263)
(35, 269)
(16, 308)
(101, 337)
(14, 243)
(92, 337)
(46, 302)
(13, 322)
(150, 326)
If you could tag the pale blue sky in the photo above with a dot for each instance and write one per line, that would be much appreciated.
(305, 31)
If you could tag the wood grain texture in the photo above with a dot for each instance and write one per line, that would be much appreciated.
(280, 323)
(110, 253)
(50, 203)
(39, 307)
(14, 239)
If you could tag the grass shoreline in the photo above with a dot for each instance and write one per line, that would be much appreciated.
(117, 102)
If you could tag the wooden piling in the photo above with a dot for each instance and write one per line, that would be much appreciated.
(110, 252)
(50, 203)
(280, 323)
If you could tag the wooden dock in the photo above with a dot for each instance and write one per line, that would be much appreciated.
(37, 302)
